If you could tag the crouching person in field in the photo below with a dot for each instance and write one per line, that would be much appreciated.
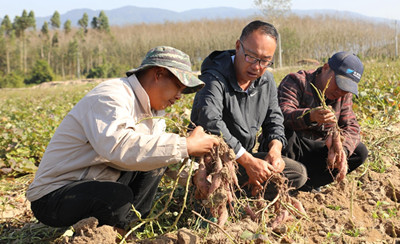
(111, 150)
(325, 139)
(238, 99)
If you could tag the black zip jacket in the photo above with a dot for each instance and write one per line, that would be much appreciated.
(223, 108)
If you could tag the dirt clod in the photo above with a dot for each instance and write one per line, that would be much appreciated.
(185, 236)
(87, 231)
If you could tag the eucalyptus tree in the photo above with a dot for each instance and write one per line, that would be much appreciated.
(103, 24)
(55, 23)
(67, 27)
(84, 22)
(102, 27)
(55, 20)
(7, 33)
(45, 37)
(95, 23)
(20, 25)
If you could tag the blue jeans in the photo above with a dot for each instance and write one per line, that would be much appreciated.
(110, 202)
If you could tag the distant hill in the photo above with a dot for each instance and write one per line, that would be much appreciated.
(341, 14)
(135, 15)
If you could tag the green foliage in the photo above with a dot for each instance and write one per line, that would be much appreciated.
(41, 72)
(12, 80)
(67, 27)
(380, 92)
(6, 25)
(384, 211)
(334, 207)
(28, 119)
(102, 71)
(54, 40)
(103, 22)
(100, 23)
(83, 22)
(55, 20)
(24, 22)
(179, 114)
(355, 232)
(378, 106)
(45, 29)
(95, 23)
(32, 20)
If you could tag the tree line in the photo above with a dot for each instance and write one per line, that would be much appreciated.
(96, 49)
(32, 56)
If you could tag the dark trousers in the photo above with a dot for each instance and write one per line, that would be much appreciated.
(294, 171)
(110, 202)
(313, 155)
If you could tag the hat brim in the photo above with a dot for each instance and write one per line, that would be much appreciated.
(347, 84)
(189, 79)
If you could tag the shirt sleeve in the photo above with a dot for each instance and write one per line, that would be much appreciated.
(115, 135)
(272, 127)
(290, 93)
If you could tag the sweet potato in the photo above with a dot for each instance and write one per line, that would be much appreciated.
(336, 157)
(250, 212)
(282, 217)
(223, 215)
(215, 183)
(200, 181)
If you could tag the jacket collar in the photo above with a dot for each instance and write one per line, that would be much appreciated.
(221, 62)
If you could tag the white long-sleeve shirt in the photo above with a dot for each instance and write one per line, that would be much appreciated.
(106, 132)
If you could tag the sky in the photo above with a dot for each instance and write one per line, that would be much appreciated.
(383, 8)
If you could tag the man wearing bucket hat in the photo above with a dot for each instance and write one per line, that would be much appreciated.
(111, 150)
(307, 124)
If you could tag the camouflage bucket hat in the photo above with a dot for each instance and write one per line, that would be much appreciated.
(176, 61)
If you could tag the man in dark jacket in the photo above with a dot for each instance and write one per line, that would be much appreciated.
(239, 98)
(308, 124)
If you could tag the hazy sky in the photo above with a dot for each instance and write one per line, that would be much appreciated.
(42, 8)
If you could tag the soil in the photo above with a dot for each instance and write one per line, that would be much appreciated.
(353, 211)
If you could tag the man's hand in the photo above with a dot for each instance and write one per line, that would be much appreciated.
(257, 169)
(322, 116)
(274, 156)
(199, 143)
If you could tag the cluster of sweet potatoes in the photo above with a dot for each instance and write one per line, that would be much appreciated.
(216, 181)
(216, 185)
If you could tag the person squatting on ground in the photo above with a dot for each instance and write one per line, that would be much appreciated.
(307, 124)
(238, 99)
(111, 149)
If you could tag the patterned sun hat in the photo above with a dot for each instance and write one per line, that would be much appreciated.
(176, 61)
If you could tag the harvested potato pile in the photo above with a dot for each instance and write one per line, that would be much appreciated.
(217, 186)
(216, 181)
